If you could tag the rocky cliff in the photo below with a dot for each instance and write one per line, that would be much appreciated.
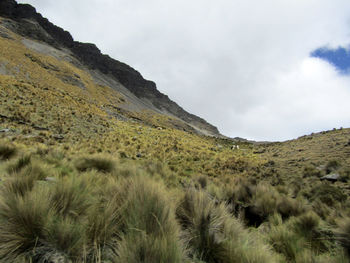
(31, 24)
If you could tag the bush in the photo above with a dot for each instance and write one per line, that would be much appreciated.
(100, 164)
(7, 152)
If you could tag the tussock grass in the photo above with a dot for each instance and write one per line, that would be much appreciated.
(24, 180)
(327, 194)
(343, 234)
(285, 242)
(127, 213)
(215, 236)
(332, 165)
(258, 202)
(70, 197)
(19, 164)
(22, 227)
(151, 233)
(98, 163)
(7, 152)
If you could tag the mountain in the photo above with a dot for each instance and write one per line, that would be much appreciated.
(97, 166)
(39, 37)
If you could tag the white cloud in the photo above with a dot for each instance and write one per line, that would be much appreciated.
(242, 65)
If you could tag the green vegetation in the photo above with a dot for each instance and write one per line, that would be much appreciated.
(78, 185)
(6, 152)
(138, 212)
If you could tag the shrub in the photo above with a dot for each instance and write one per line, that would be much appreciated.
(7, 152)
(95, 163)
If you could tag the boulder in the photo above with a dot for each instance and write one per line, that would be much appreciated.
(331, 177)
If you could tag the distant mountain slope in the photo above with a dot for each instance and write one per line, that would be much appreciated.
(139, 94)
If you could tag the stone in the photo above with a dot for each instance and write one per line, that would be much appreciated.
(58, 137)
(331, 177)
(50, 179)
(5, 130)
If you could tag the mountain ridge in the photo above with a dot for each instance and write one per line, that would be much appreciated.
(92, 57)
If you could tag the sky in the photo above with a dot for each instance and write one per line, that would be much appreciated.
(258, 69)
(338, 57)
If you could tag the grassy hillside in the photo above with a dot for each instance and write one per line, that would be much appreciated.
(84, 180)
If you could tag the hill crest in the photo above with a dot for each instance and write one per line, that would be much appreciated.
(25, 21)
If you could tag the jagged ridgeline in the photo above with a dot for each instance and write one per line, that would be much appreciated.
(96, 165)
(43, 39)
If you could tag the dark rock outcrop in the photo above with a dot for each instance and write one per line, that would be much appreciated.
(92, 57)
(330, 177)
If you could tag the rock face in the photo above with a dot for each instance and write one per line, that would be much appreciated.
(91, 56)
(330, 177)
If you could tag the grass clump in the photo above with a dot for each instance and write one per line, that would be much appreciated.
(19, 164)
(22, 224)
(213, 235)
(311, 171)
(332, 165)
(257, 202)
(100, 164)
(328, 194)
(7, 152)
(23, 181)
(70, 197)
(343, 235)
(151, 233)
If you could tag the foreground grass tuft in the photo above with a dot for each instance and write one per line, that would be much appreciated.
(151, 233)
(214, 236)
(7, 152)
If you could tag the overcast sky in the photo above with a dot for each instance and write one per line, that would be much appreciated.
(243, 65)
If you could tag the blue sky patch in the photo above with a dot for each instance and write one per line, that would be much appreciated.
(339, 57)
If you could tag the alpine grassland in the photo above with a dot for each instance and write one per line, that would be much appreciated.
(82, 180)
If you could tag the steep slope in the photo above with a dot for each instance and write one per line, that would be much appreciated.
(93, 171)
(42, 36)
